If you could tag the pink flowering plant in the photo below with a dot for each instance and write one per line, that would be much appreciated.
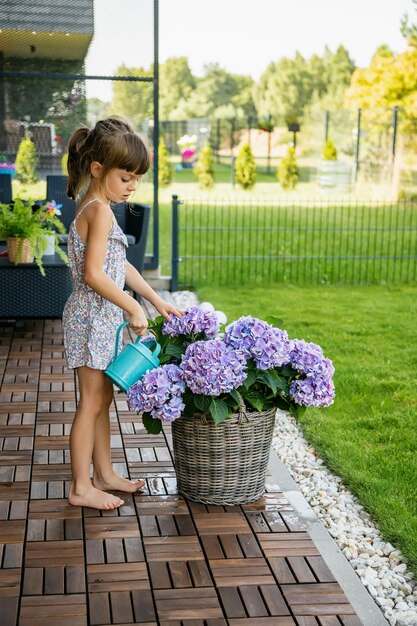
(208, 369)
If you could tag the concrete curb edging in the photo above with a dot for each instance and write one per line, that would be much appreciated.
(367, 610)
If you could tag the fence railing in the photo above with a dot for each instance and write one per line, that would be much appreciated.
(305, 242)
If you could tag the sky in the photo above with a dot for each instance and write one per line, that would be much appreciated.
(243, 36)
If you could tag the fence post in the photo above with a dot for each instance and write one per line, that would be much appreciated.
(249, 129)
(218, 135)
(394, 131)
(174, 247)
(326, 125)
(358, 142)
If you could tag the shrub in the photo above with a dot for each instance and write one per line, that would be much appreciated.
(245, 168)
(329, 152)
(27, 161)
(288, 171)
(64, 164)
(164, 168)
(204, 169)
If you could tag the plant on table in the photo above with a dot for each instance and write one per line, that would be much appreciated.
(204, 371)
(29, 224)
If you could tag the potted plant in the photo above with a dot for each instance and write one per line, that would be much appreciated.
(221, 392)
(333, 173)
(188, 147)
(26, 227)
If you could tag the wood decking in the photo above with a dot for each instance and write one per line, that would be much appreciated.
(158, 560)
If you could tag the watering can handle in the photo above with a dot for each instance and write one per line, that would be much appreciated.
(149, 339)
(116, 348)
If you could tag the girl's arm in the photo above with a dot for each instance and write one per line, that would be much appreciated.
(99, 226)
(135, 281)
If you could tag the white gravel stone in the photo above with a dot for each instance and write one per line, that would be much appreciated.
(185, 299)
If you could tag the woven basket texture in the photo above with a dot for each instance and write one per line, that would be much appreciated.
(20, 250)
(223, 464)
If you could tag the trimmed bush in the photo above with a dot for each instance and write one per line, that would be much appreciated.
(329, 152)
(64, 164)
(27, 161)
(204, 169)
(245, 168)
(164, 167)
(288, 172)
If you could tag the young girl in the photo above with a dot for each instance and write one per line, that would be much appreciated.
(106, 161)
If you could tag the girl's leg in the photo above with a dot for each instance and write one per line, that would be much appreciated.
(92, 392)
(104, 475)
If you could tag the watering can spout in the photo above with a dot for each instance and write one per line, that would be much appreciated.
(133, 361)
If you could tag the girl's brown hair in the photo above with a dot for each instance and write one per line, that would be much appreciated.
(113, 143)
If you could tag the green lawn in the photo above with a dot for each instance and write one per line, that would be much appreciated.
(369, 436)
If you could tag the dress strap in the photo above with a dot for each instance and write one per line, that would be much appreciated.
(82, 209)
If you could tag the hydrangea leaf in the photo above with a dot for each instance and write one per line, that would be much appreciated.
(255, 399)
(153, 426)
(219, 410)
(202, 402)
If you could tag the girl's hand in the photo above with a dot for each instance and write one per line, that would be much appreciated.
(138, 322)
(167, 309)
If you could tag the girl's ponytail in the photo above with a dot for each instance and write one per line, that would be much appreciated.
(112, 143)
(77, 172)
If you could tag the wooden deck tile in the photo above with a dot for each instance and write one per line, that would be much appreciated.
(9, 583)
(187, 604)
(65, 610)
(108, 577)
(172, 549)
(159, 560)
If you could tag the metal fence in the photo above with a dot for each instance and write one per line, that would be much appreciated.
(323, 241)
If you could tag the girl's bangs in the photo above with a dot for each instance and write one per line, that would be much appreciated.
(130, 154)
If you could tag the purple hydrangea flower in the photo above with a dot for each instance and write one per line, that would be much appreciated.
(158, 392)
(318, 392)
(268, 346)
(194, 321)
(169, 411)
(308, 358)
(212, 368)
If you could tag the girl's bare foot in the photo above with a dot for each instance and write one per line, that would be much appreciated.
(94, 498)
(114, 482)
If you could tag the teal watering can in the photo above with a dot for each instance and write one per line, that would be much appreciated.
(133, 362)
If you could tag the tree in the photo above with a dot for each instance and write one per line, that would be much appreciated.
(288, 171)
(289, 86)
(27, 161)
(96, 110)
(217, 91)
(133, 99)
(329, 152)
(164, 167)
(204, 168)
(245, 168)
(176, 82)
(390, 80)
(408, 29)
(284, 89)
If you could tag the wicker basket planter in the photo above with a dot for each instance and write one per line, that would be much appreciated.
(223, 464)
(20, 250)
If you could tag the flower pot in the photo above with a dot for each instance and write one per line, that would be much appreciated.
(50, 248)
(335, 174)
(20, 250)
(223, 464)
